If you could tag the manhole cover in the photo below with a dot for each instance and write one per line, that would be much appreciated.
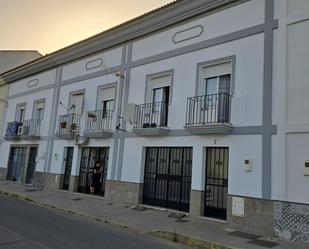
(176, 215)
(5, 183)
(77, 199)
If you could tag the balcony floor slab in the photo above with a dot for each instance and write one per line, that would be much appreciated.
(210, 128)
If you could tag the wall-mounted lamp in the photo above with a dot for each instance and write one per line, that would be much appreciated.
(120, 74)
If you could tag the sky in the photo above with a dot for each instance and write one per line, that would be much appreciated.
(48, 25)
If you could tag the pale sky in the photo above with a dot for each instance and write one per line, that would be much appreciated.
(48, 25)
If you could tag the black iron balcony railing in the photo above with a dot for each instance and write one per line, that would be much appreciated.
(213, 108)
(26, 128)
(151, 115)
(68, 124)
(99, 121)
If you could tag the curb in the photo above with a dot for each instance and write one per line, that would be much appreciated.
(189, 240)
(171, 236)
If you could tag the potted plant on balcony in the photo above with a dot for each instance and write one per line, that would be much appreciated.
(92, 115)
(63, 124)
(73, 127)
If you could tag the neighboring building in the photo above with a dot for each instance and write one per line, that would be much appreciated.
(10, 59)
(207, 114)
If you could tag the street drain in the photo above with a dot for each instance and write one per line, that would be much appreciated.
(263, 243)
(139, 208)
(31, 190)
(77, 199)
(244, 235)
(176, 215)
(181, 221)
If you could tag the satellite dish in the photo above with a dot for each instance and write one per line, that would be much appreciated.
(129, 112)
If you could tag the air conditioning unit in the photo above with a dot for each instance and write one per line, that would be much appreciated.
(81, 140)
(23, 130)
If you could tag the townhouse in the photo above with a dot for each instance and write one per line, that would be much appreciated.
(198, 106)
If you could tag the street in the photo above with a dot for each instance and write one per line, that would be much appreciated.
(27, 226)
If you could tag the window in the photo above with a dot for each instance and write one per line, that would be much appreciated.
(106, 100)
(158, 88)
(107, 107)
(215, 86)
(39, 110)
(77, 102)
(215, 78)
(160, 97)
(20, 112)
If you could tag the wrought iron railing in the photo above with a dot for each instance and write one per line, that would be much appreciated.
(213, 108)
(99, 120)
(151, 115)
(30, 127)
(68, 124)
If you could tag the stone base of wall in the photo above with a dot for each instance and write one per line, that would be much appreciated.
(3, 173)
(46, 180)
(258, 216)
(73, 183)
(291, 221)
(123, 193)
(197, 203)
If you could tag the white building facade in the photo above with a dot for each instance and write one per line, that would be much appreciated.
(198, 106)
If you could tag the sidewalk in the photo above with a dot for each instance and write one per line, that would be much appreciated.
(191, 231)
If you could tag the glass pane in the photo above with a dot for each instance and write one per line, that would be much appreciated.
(224, 83)
(157, 95)
(211, 86)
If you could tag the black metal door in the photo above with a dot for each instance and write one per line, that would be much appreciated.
(17, 162)
(31, 165)
(90, 156)
(167, 179)
(68, 168)
(216, 182)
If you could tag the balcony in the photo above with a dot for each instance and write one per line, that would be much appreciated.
(151, 119)
(68, 125)
(99, 123)
(25, 130)
(209, 114)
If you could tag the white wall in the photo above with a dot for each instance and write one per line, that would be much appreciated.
(94, 63)
(297, 154)
(229, 20)
(42, 79)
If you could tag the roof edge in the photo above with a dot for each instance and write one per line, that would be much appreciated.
(146, 24)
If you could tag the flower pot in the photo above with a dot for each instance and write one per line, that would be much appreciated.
(63, 125)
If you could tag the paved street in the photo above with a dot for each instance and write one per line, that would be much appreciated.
(27, 226)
